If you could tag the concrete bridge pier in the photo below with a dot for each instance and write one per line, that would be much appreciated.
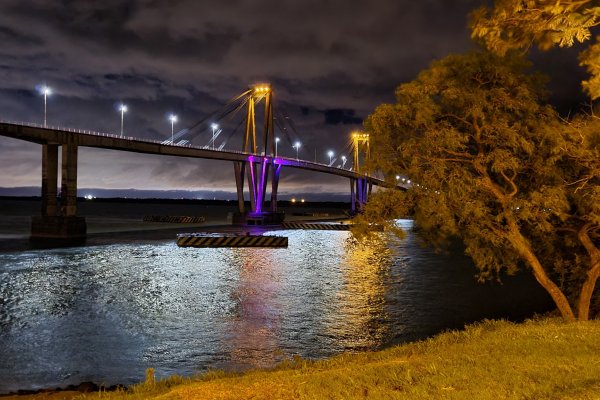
(258, 177)
(360, 189)
(58, 226)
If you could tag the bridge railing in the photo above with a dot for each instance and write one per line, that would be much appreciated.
(162, 143)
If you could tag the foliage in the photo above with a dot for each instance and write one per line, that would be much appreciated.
(517, 24)
(384, 209)
(496, 168)
(489, 360)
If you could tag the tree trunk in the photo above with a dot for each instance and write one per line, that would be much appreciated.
(587, 290)
(524, 249)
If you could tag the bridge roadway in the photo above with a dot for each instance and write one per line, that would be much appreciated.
(52, 135)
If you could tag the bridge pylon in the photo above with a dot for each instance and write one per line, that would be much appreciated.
(360, 188)
(258, 170)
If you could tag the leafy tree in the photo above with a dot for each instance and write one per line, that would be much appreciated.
(517, 24)
(496, 168)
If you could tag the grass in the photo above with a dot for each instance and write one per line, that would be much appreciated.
(495, 360)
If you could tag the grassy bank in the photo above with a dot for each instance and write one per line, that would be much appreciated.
(545, 359)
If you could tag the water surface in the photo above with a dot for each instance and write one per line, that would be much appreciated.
(106, 313)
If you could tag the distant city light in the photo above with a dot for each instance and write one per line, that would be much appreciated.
(293, 200)
(89, 197)
(302, 201)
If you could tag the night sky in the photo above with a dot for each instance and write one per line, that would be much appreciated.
(330, 63)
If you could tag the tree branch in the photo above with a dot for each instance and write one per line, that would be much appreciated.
(511, 182)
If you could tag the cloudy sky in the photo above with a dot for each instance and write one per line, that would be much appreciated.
(331, 62)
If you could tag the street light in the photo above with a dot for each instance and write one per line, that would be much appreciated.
(343, 161)
(297, 146)
(214, 128)
(276, 142)
(46, 91)
(330, 154)
(123, 109)
(173, 119)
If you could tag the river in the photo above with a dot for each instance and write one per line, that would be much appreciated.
(105, 313)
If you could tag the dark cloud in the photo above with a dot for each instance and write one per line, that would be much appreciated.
(330, 62)
(336, 116)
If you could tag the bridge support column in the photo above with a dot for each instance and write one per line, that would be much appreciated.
(49, 179)
(258, 177)
(52, 228)
(274, 187)
(352, 196)
(360, 188)
(238, 169)
(68, 189)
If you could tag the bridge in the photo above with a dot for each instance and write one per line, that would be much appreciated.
(260, 167)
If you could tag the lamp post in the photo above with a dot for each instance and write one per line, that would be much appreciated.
(46, 91)
(123, 109)
(173, 119)
(343, 161)
(330, 154)
(214, 128)
(297, 146)
(276, 143)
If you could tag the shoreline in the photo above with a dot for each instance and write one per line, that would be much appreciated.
(103, 231)
(510, 360)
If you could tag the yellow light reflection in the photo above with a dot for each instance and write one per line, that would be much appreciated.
(360, 320)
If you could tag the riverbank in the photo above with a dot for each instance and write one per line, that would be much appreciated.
(539, 359)
(121, 220)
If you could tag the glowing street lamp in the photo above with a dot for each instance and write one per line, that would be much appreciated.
(214, 128)
(297, 146)
(46, 91)
(276, 142)
(173, 119)
(343, 161)
(123, 109)
(330, 154)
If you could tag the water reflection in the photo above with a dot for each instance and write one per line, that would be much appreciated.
(253, 329)
(359, 319)
(106, 313)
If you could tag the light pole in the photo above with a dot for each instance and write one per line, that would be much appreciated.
(297, 146)
(343, 161)
(123, 109)
(173, 119)
(46, 91)
(276, 142)
(214, 128)
(330, 154)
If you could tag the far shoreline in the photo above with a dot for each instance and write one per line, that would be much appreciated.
(120, 220)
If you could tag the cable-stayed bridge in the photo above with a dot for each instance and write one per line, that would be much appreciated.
(256, 161)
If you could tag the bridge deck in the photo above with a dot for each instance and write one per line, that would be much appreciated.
(51, 135)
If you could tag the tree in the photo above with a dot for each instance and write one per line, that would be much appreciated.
(517, 24)
(496, 168)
